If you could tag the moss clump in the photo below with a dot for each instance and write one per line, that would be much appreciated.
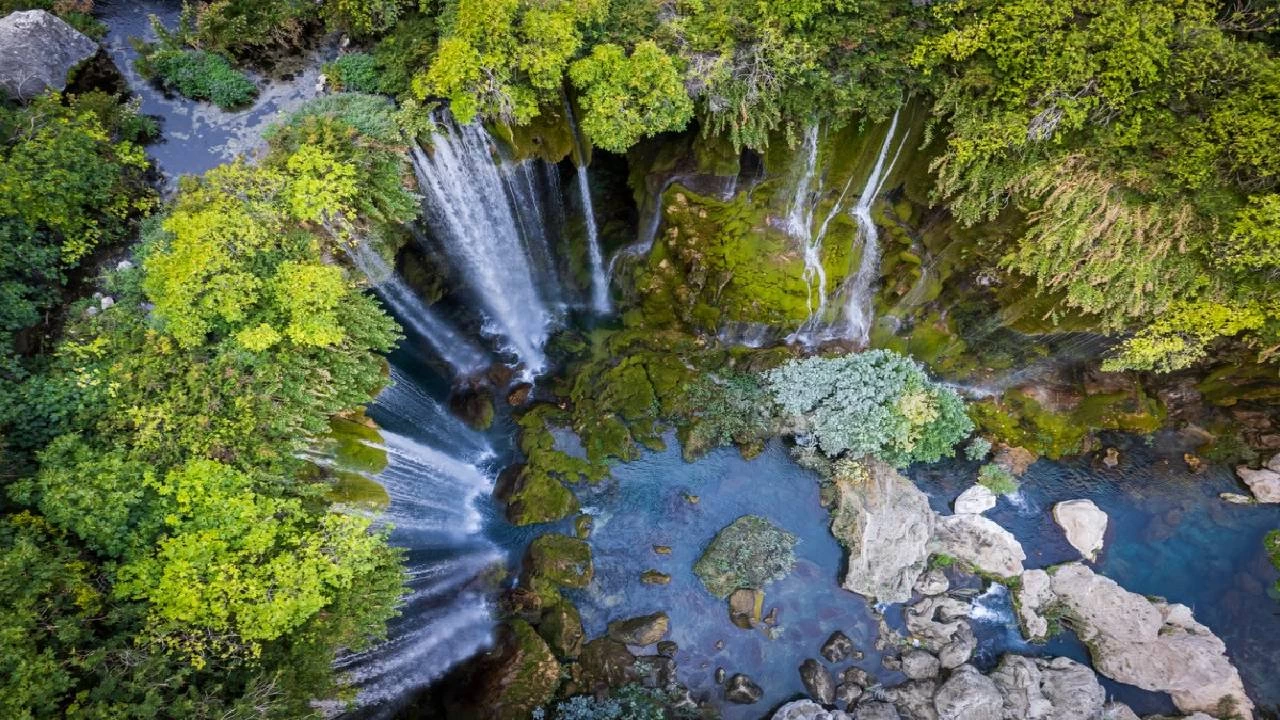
(560, 559)
(359, 491)
(561, 627)
(547, 137)
(997, 479)
(356, 443)
(1019, 420)
(748, 553)
(537, 497)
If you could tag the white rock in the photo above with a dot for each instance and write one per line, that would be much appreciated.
(124, 265)
(968, 695)
(1048, 689)
(885, 522)
(1034, 595)
(979, 542)
(1264, 483)
(37, 51)
(976, 500)
(807, 710)
(1118, 711)
(1084, 524)
(1150, 644)
(107, 302)
(1274, 463)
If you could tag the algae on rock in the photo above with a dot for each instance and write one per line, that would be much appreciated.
(749, 553)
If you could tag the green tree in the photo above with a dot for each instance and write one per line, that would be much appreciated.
(625, 98)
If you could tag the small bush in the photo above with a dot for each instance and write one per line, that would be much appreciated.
(199, 75)
(978, 449)
(353, 72)
(997, 479)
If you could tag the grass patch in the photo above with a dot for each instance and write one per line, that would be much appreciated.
(997, 479)
(199, 75)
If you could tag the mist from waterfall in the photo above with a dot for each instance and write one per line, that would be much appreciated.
(435, 480)
(860, 307)
(599, 278)
(463, 356)
(468, 203)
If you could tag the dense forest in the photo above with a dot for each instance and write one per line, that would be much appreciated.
(169, 359)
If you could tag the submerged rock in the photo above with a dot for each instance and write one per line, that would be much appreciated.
(975, 501)
(749, 553)
(837, 647)
(980, 542)
(37, 52)
(885, 523)
(745, 606)
(1044, 689)
(643, 630)
(968, 695)
(818, 681)
(1084, 524)
(1148, 643)
(741, 690)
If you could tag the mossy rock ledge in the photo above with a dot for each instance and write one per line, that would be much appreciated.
(560, 559)
(748, 553)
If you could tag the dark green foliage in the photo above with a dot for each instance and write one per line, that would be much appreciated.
(354, 72)
(1272, 543)
(199, 75)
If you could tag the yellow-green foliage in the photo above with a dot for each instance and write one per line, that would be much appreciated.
(1018, 419)
(626, 98)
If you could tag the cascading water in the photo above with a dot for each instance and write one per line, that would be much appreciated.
(599, 279)
(452, 346)
(860, 310)
(527, 187)
(434, 480)
(470, 209)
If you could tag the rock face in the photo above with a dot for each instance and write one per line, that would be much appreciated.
(1264, 483)
(979, 542)
(1153, 645)
(518, 675)
(37, 50)
(643, 630)
(975, 501)
(934, 582)
(742, 691)
(561, 627)
(940, 623)
(748, 553)
(1040, 689)
(1084, 524)
(807, 710)
(885, 523)
(968, 695)
(818, 681)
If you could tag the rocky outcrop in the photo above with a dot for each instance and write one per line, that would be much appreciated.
(1148, 643)
(940, 625)
(818, 681)
(561, 627)
(559, 559)
(37, 52)
(1263, 483)
(979, 542)
(875, 710)
(1016, 460)
(919, 665)
(643, 630)
(968, 695)
(508, 683)
(885, 523)
(741, 690)
(807, 710)
(975, 501)
(748, 553)
(933, 582)
(1084, 524)
(606, 663)
(1042, 689)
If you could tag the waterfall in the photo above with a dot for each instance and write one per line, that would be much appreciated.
(599, 279)
(523, 185)
(435, 480)
(469, 206)
(861, 301)
(449, 344)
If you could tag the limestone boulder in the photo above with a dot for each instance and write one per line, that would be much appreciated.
(1148, 643)
(884, 521)
(968, 695)
(1264, 483)
(980, 542)
(807, 710)
(1084, 524)
(837, 647)
(933, 582)
(975, 501)
(875, 710)
(919, 665)
(37, 52)
(1048, 689)
(818, 682)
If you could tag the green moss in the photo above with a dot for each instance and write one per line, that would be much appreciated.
(356, 443)
(1019, 420)
(539, 498)
(996, 479)
(355, 489)
(547, 137)
(715, 155)
(560, 559)
(748, 553)
(1235, 382)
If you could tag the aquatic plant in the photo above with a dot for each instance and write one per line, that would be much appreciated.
(997, 479)
(978, 448)
(353, 72)
(874, 403)
(199, 75)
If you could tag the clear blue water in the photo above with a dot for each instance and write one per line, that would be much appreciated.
(1170, 536)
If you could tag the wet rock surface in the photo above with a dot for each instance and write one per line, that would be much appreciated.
(980, 542)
